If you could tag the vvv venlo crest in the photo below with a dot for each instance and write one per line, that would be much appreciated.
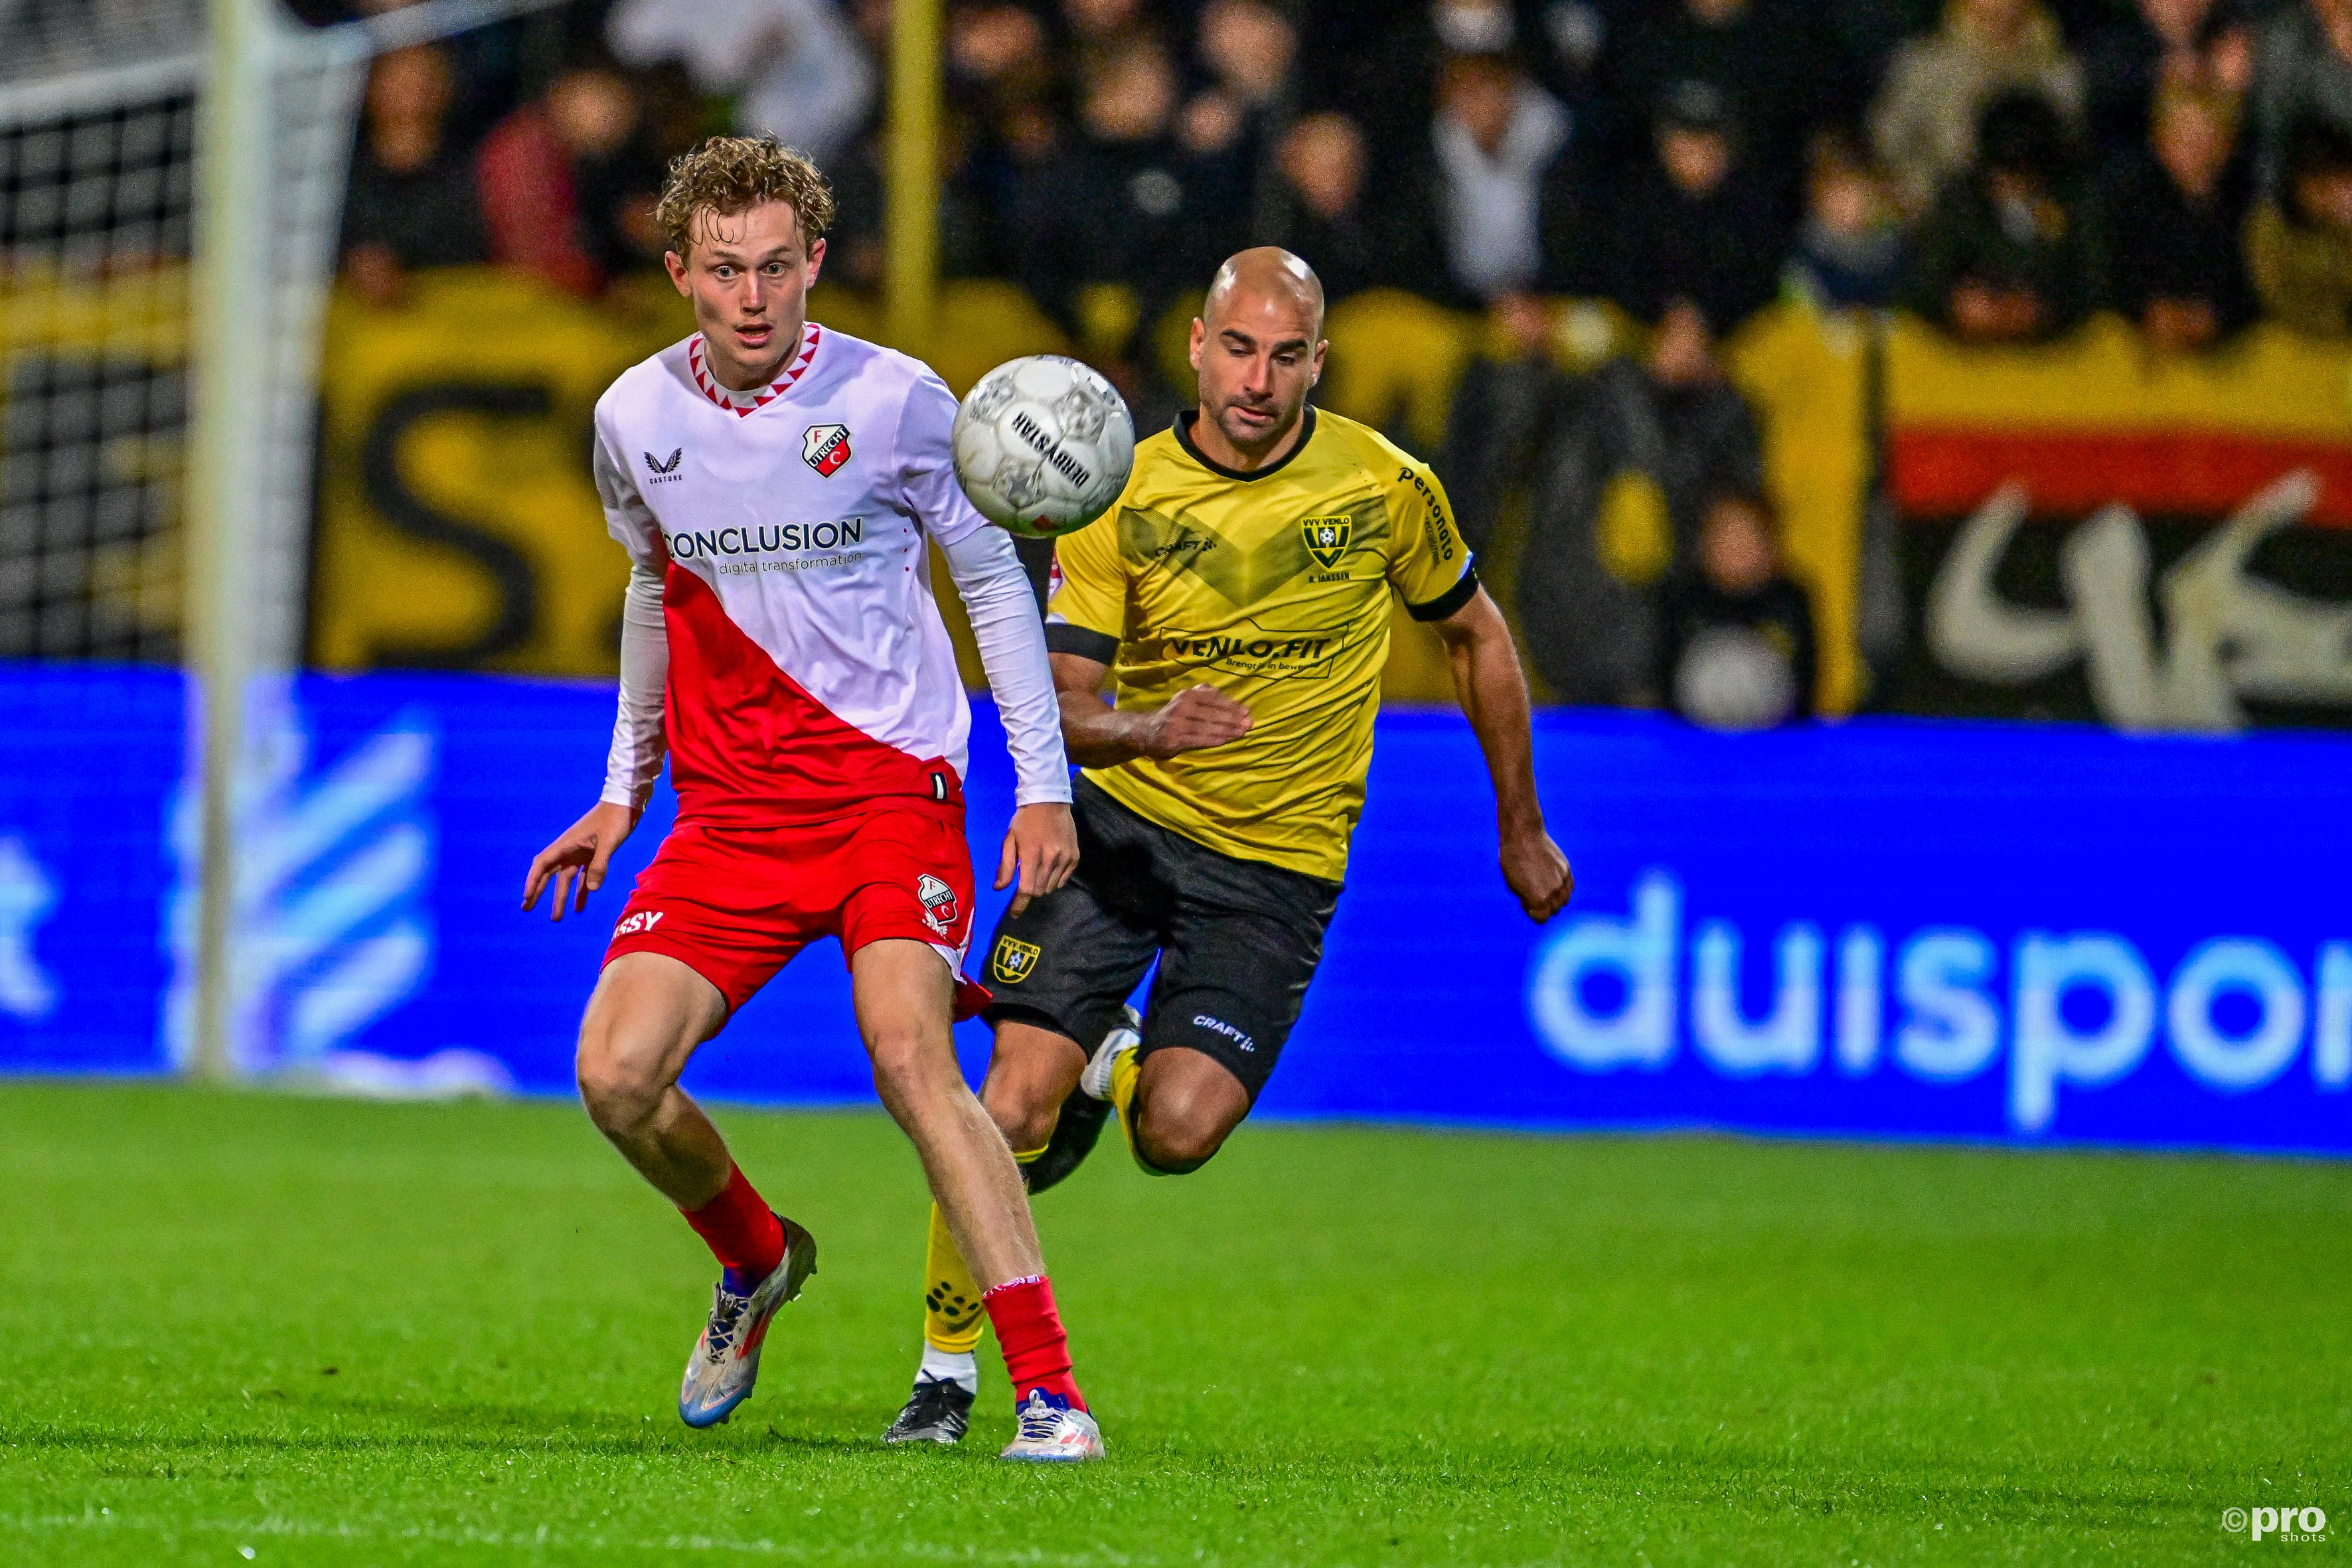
(1327, 538)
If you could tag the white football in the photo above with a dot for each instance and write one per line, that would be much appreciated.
(1043, 446)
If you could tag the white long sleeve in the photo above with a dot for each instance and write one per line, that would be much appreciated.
(634, 763)
(1011, 638)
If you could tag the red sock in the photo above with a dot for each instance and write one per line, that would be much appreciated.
(742, 1232)
(1029, 1332)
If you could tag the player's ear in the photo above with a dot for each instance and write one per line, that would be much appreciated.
(1315, 368)
(816, 261)
(675, 266)
(1200, 336)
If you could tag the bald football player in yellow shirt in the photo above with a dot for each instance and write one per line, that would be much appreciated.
(1240, 593)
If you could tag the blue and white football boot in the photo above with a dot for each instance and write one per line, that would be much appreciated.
(1050, 1430)
(1095, 1081)
(726, 1360)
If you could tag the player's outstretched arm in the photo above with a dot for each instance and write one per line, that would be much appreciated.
(584, 851)
(1100, 736)
(1041, 846)
(1493, 693)
(577, 860)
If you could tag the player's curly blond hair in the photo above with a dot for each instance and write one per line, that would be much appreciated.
(731, 174)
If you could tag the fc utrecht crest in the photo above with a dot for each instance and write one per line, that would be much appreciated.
(1327, 538)
(825, 448)
(939, 899)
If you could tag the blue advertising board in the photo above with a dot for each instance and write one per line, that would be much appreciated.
(1884, 929)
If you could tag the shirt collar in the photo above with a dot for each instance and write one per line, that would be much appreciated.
(744, 404)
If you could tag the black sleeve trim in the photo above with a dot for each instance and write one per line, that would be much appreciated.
(1437, 609)
(1082, 641)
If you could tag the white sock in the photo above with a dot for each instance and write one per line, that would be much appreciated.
(950, 1366)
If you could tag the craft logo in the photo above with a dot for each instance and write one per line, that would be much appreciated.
(666, 473)
(938, 903)
(1014, 959)
(1219, 1026)
(1327, 538)
(825, 448)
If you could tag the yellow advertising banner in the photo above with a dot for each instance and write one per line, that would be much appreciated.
(458, 525)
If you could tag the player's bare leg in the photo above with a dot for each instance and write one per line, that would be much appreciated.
(644, 1019)
(1031, 1072)
(1183, 1106)
(905, 997)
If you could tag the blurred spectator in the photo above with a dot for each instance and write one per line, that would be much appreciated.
(1925, 122)
(2002, 256)
(1850, 251)
(972, 221)
(1002, 81)
(1618, 498)
(2303, 72)
(1569, 45)
(796, 69)
(1322, 212)
(1869, 33)
(568, 186)
(1775, 73)
(1124, 202)
(998, 50)
(2169, 219)
(1498, 139)
(1248, 46)
(2199, 45)
(2299, 243)
(1691, 225)
(1100, 32)
(412, 201)
(1735, 635)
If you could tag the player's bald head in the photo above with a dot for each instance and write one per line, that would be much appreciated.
(1264, 275)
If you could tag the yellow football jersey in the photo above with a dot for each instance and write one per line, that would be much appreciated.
(1274, 587)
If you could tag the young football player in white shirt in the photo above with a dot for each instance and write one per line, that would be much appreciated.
(777, 486)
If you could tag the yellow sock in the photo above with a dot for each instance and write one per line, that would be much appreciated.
(952, 1318)
(1124, 1072)
(951, 1315)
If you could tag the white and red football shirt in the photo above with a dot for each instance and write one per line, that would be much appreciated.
(808, 669)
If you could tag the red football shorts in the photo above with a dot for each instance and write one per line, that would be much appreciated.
(735, 905)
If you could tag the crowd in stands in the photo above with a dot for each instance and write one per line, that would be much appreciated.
(2001, 168)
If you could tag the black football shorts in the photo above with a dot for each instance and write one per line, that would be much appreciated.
(1238, 941)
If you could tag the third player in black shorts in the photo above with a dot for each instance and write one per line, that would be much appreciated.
(1240, 591)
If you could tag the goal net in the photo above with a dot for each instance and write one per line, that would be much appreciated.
(98, 194)
(97, 144)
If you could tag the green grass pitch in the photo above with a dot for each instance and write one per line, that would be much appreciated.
(237, 1326)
